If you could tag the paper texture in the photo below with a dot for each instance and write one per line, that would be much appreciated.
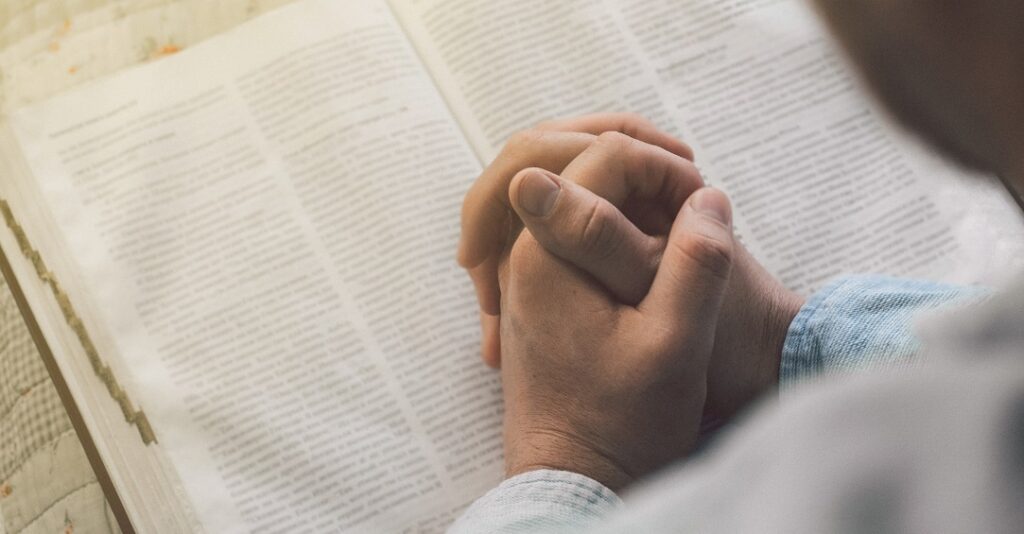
(295, 372)
(264, 227)
(823, 185)
(49, 46)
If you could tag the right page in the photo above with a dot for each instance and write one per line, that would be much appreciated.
(822, 184)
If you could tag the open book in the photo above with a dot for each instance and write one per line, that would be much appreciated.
(240, 259)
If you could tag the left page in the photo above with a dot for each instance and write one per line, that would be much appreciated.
(50, 478)
(261, 230)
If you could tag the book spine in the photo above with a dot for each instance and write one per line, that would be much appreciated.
(133, 416)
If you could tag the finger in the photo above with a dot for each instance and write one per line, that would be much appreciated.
(618, 167)
(486, 210)
(695, 268)
(631, 124)
(533, 275)
(487, 219)
(641, 129)
(485, 281)
(487, 224)
(491, 341)
(551, 146)
(587, 231)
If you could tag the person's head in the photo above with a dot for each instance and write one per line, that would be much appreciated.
(952, 70)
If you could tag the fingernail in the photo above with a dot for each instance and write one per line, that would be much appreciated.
(538, 193)
(713, 203)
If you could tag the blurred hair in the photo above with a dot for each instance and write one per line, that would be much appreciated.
(951, 70)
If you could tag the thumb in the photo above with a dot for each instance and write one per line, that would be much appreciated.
(691, 281)
(587, 231)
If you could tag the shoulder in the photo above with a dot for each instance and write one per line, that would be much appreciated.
(939, 449)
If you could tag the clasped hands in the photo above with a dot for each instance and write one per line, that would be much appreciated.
(614, 298)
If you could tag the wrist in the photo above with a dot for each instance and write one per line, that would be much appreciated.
(781, 308)
(773, 308)
(757, 315)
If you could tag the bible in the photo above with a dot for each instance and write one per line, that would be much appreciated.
(239, 260)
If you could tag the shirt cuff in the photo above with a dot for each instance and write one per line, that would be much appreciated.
(862, 322)
(539, 501)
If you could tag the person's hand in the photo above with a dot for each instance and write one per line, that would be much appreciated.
(623, 252)
(756, 312)
(604, 389)
(490, 226)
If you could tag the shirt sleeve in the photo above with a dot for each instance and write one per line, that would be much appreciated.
(539, 501)
(859, 322)
(862, 322)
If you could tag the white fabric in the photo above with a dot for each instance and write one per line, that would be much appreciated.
(935, 449)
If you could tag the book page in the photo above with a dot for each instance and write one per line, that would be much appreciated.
(505, 65)
(821, 183)
(48, 47)
(267, 221)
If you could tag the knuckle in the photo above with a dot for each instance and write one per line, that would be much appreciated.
(633, 122)
(597, 238)
(614, 141)
(525, 257)
(714, 256)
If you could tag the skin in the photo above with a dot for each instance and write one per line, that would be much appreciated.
(590, 371)
(598, 378)
(620, 255)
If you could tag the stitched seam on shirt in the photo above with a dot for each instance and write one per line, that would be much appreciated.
(598, 493)
(591, 499)
(803, 331)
